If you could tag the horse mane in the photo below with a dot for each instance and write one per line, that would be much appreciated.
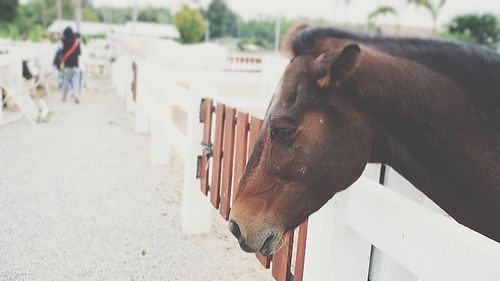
(475, 68)
(303, 38)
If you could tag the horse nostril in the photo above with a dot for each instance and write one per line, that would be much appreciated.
(235, 229)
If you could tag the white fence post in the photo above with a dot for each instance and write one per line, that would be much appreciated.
(195, 206)
(130, 103)
(160, 116)
(142, 103)
(1, 104)
(334, 252)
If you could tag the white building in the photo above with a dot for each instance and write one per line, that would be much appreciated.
(87, 28)
(139, 28)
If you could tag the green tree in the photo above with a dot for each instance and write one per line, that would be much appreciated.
(481, 29)
(90, 14)
(152, 14)
(8, 10)
(44, 11)
(258, 31)
(222, 21)
(121, 15)
(262, 29)
(190, 24)
(30, 20)
(432, 8)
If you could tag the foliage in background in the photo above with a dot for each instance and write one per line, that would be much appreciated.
(242, 43)
(87, 37)
(222, 21)
(379, 12)
(44, 12)
(432, 8)
(116, 15)
(8, 10)
(258, 31)
(123, 15)
(261, 32)
(29, 21)
(151, 14)
(24, 22)
(190, 24)
(480, 29)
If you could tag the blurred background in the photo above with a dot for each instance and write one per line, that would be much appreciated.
(250, 25)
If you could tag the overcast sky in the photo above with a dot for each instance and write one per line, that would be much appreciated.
(333, 10)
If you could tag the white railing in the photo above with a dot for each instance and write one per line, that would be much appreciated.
(413, 241)
(156, 97)
(157, 94)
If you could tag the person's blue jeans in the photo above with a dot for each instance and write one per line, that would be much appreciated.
(71, 79)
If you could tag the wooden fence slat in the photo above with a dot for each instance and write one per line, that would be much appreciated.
(240, 158)
(134, 81)
(282, 260)
(217, 160)
(253, 134)
(255, 126)
(207, 132)
(264, 260)
(227, 160)
(301, 251)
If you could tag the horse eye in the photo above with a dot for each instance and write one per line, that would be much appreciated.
(281, 134)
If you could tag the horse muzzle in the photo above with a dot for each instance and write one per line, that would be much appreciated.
(264, 244)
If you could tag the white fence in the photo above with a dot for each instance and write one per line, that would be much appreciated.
(411, 241)
(157, 96)
(368, 232)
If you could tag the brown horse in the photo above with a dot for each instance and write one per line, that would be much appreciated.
(428, 108)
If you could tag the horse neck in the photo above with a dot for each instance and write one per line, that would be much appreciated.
(420, 109)
(428, 129)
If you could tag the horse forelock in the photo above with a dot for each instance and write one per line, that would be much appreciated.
(308, 39)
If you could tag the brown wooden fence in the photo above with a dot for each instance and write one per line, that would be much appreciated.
(228, 141)
(134, 81)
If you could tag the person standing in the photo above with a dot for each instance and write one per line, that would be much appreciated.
(69, 64)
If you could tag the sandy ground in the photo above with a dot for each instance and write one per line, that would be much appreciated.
(80, 201)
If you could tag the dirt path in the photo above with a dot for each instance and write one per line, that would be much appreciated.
(79, 201)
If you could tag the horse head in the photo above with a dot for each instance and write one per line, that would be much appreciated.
(314, 142)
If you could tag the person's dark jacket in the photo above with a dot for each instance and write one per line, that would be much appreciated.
(68, 40)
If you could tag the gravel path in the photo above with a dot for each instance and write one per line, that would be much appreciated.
(79, 201)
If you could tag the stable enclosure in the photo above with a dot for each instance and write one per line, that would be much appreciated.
(381, 228)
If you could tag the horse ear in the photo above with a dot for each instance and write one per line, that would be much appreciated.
(335, 67)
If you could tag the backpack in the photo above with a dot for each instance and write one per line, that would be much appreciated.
(58, 58)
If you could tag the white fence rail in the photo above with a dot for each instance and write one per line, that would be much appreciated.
(428, 244)
(413, 241)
